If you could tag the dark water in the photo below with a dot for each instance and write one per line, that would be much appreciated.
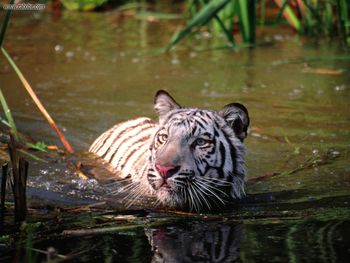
(94, 70)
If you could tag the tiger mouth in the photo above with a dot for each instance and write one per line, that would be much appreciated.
(166, 187)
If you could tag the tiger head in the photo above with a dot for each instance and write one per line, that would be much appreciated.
(197, 155)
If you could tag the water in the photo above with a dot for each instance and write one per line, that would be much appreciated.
(94, 70)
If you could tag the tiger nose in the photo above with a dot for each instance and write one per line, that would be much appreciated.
(167, 171)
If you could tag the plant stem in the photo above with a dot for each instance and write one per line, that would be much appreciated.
(5, 23)
(38, 103)
(8, 115)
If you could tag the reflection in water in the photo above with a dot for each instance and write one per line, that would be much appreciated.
(197, 243)
(266, 240)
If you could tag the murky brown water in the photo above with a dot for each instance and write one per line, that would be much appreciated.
(94, 70)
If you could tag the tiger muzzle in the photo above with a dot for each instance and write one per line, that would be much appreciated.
(167, 171)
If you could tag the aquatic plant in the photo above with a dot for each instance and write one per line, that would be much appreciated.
(10, 121)
(317, 17)
(29, 89)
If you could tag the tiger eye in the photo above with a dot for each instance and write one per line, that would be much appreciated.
(201, 142)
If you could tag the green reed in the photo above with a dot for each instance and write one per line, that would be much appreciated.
(310, 17)
(7, 111)
(30, 91)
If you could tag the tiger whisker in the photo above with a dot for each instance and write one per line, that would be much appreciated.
(122, 189)
(213, 187)
(132, 198)
(197, 198)
(206, 188)
(118, 182)
(217, 181)
(157, 202)
(131, 186)
(200, 193)
(192, 202)
(134, 193)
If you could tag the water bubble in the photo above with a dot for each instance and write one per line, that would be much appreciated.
(295, 92)
(334, 153)
(47, 185)
(193, 54)
(135, 60)
(175, 61)
(43, 172)
(58, 48)
(340, 87)
(320, 92)
(72, 192)
(315, 152)
(278, 37)
(69, 54)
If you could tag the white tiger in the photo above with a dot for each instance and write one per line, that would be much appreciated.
(191, 159)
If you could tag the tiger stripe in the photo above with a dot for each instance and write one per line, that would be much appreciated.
(124, 143)
(203, 150)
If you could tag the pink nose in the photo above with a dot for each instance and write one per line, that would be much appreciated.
(167, 170)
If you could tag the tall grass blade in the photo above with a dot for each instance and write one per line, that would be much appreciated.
(228, 34)
(38, 103)
(328, 18)
(344, 17)
(5, 23)
(8, 115)
(247, 20)
(262, 12)
(244, 19)
(207, 13)
(290, 16)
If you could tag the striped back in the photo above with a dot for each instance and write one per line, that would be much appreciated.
(126, 146)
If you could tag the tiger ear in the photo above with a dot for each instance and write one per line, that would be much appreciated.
(163, 103)
(236, 115)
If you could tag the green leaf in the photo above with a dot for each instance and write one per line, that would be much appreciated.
(204, 15)
(41, 146)
(8, 115)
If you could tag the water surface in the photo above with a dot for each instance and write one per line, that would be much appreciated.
(94, 70)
